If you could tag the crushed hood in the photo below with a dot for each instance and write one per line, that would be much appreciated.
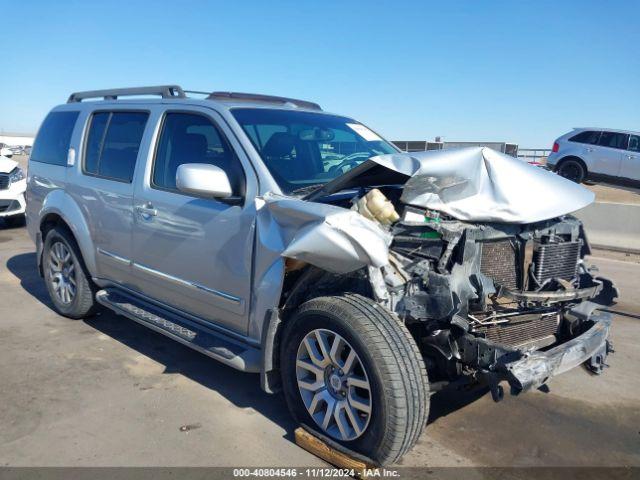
(475, 184)
(7, 165)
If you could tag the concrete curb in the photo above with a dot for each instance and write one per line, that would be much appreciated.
(613, 226)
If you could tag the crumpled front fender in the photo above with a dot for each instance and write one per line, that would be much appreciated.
(329, 237)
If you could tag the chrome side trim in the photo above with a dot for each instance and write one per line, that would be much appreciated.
(106, 283)
(185, 283)
(115, 257)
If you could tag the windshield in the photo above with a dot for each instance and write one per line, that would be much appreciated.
(304, 150)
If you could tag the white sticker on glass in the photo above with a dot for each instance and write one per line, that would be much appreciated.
(364, 132)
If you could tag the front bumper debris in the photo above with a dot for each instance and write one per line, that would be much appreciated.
(535, 368)
(554, 297)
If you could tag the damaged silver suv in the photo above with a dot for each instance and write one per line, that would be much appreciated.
(283, 240)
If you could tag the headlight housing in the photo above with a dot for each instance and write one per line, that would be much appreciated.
(16, 175)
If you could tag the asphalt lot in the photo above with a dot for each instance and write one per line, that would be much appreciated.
(108, 392)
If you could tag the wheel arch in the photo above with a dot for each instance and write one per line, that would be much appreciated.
(309, 283)
(59, 209)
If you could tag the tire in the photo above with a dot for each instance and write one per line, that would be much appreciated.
(572, 169)
(68, 282)
(398, 387)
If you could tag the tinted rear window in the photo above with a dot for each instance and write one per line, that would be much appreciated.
(590, 137)
(52, 144)
(113, 143)
(614, 140)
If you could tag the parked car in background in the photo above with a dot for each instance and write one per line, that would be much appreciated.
(17, 150)
(13, 185)
(5, 151)
(597, 154)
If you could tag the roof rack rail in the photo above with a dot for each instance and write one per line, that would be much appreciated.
(256, 97)
(165, 91)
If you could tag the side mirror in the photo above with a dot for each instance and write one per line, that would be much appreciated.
(203, 180)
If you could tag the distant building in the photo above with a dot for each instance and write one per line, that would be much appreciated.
(16, 139)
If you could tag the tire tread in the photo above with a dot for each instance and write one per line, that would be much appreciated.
(399, 361)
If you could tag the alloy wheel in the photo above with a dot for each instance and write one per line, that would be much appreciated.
(333, 384)
(570, 172)
(62, 273)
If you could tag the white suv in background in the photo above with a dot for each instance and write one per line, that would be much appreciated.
(12, 190)
(5, 151)
(597, 154)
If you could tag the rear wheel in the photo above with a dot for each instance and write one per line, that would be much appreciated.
(352, 372)
(65, 275)
(572, 169)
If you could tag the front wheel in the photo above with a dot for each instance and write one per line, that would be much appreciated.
(353, 372)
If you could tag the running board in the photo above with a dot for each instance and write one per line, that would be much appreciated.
(205, 340)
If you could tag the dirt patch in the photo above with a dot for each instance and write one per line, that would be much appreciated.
(143, 366)
(615, 194)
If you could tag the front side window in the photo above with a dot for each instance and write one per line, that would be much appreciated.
(590, 137)
(613, 140)
(193, 138)
(113, 142)
(634, 143)
(54, 137)
(304, 149)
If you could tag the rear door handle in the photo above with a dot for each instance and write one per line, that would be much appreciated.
(147, 211)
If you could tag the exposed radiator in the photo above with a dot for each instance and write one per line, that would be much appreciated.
(529, 329)
(498, 262)
(4, 182)
(556, 260)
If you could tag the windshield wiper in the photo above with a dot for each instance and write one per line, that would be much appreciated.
(308, 189)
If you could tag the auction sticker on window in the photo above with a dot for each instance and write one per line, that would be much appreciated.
(364, 132)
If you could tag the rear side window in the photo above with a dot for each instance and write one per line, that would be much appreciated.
(112, 144)
(634, 143)
(590, 137)
(52, 144)
(614, 140)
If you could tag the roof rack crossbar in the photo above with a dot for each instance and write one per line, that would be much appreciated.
(254, 97)
(165, 91)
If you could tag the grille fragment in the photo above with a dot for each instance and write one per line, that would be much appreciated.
(4, 182)
(522, 329)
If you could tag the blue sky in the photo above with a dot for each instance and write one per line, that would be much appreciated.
(470, 70)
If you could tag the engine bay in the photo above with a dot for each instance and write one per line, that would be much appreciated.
(478, 295)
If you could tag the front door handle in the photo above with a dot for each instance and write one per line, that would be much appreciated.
(147, 211)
